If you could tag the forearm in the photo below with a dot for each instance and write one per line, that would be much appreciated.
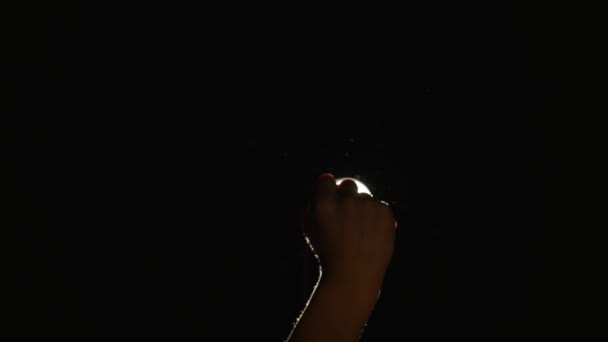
(337, 312)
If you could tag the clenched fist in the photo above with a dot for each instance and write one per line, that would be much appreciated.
(353, 237)
(352, 234)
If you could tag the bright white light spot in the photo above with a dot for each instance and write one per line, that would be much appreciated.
(362, 188)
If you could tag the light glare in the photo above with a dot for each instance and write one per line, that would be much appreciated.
(362, 188)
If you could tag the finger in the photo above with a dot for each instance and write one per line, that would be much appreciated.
(348, 188)
(325, 187)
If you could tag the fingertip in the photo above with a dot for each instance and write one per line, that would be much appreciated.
(326, 185)
(348, 187)
(326, 179)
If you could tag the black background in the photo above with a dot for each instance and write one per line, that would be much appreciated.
(159, 159)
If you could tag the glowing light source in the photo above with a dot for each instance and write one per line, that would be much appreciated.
(362, 188)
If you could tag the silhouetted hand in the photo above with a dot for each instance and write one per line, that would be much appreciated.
(352, 234)
(353, 237)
